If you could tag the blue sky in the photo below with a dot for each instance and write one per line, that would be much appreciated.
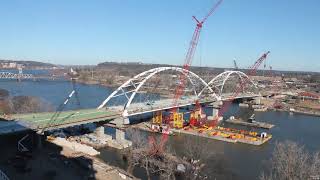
(151, 31)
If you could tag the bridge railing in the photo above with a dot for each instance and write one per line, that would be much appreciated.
(3, 176)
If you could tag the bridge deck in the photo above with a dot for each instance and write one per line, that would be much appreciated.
(163, 104)
(65, 118)
(46, 120)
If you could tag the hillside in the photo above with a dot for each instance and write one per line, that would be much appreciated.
(28, 64)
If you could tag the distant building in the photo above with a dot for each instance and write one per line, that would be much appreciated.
(309, 95)
(11, 65)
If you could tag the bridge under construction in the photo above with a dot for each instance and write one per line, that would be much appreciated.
(120, 114)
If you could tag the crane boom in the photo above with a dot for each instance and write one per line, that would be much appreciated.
(252, 71)
(211, 11)
(235, 64)
(187, 63)
(258, 63)
(191, 51)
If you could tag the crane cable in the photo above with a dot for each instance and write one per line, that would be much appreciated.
(61, 107)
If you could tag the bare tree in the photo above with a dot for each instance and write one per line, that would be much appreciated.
(291, 161)
(196, 153)
(148, 153)
(28, 104)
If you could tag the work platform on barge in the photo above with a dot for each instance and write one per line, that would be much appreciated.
(216, 133)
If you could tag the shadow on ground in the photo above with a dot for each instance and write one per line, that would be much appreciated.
(40, 163)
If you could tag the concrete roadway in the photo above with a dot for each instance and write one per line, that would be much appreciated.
(47, 120)
(65, 118)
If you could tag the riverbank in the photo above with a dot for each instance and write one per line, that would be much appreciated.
(101, 169)
(98, 82)
(298, 111)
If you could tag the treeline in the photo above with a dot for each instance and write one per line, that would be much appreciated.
(29, 63)
(22, 104)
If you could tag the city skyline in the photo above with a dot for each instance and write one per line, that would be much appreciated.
(81, 32)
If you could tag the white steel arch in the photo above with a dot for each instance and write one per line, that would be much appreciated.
(137, 81)
(219, 81)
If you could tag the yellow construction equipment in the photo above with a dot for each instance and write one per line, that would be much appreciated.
(157, 117)
(178, 120)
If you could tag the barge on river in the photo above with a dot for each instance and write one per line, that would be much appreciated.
(217, 133)
(251, 123)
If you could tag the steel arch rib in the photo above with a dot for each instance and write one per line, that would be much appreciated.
(225, 76)
(149, 74)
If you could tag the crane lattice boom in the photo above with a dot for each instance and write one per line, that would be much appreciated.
(191, 51)
(252, 71)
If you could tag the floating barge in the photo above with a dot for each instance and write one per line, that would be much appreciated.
(227, 135)
(252, 123)
(217, 133)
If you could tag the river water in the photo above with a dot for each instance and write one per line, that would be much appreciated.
(231, 161)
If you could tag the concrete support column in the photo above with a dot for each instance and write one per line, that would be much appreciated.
(126, 121)
(257, 100)
(100, 132)
(215, 112)
(120, 135)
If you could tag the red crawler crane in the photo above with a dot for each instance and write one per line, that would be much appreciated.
(252, 71)
(186, 66)
(191, 51)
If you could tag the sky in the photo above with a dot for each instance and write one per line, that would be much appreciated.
(159, 31)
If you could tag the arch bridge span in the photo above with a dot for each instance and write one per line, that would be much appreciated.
(205, 92)
(218, 83)
(130, 88)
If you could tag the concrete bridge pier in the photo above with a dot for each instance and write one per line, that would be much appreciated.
(120, 135)
(99, 131)
(119, 142)
(257, 100)
(120, 138)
